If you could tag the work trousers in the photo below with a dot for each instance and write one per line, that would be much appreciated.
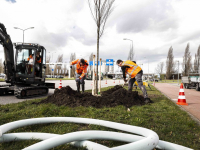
(138, 78)
(78, 80)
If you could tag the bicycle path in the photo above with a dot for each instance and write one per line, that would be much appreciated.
(191, 95)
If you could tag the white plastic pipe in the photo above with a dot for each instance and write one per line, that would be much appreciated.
(43, 136)
(123, 137)
(146, 143)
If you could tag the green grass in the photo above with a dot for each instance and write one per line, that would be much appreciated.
(167, 81)
(2, 80)
(163, 116)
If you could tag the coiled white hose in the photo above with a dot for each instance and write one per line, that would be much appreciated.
(149, 141)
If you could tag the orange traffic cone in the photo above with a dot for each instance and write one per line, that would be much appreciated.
(181, 97)
(60, 86)
(106, 81)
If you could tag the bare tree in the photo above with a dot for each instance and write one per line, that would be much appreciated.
(187, 58)
(131, 53)
(160, 67)
(48, 70)
(72, 57)
(170, 63)
(65, 70)
(197, 61)
(57, 68)
(59, 60)
(100, 11)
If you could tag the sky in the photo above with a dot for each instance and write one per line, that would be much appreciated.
(66, 27)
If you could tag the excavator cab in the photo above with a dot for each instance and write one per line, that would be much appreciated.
(30, 60)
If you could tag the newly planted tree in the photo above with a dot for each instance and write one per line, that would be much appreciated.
(100, 10)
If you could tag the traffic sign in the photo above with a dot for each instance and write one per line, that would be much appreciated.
(91, 63)
(52, 69)
(109, 62)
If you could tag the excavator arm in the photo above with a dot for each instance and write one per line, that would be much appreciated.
(5, 40)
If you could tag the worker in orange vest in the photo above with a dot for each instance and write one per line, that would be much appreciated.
(37, 58)
(37, 62)
(135, 73)
(81, 70)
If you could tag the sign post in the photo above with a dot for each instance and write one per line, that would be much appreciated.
(51, 72)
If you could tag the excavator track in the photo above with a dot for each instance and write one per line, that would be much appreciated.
(24, 92)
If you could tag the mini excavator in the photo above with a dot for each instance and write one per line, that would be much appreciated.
(25, 77)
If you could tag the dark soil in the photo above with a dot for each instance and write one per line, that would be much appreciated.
(110, 98)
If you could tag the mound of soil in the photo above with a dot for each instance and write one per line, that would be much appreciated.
(110, 98)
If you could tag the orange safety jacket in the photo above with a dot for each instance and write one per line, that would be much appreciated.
(133, 70)
(31, 57)
(80, 69)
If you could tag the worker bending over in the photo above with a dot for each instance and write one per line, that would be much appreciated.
(81, 70)
(135, 73)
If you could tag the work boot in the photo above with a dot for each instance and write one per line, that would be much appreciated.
(147, 101)
(83, 88)
(78, 86)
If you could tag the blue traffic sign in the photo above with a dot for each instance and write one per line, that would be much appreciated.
(109, 62)
(91, 63)
(52, 69)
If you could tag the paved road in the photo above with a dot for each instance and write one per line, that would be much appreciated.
(12, 99)
(192, 97)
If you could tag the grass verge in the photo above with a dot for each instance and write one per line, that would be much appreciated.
(163, 116)
(2, 80)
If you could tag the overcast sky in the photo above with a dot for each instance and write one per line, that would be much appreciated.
(66, 26)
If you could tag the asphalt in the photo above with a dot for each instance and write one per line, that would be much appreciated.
(191, 95)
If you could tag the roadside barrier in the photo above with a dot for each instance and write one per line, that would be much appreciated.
(60, 85)
(148, 139)
(181, 97)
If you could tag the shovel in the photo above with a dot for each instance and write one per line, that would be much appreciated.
(126, 83)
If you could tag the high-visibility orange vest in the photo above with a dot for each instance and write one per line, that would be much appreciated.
(80, 69)
(31, 57)
(133, 70)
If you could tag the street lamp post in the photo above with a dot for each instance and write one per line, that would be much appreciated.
(23, 30)
(131, 45)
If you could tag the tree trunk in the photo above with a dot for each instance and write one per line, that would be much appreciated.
(97, 61)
